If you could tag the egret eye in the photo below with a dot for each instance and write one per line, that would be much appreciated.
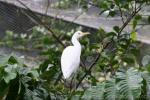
(80, 34)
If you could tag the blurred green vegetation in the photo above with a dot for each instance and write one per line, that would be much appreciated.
(112, 68)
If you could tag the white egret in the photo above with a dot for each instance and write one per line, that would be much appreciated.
(70, 58)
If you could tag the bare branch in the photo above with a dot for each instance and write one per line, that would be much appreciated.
(48, 4)
(121, 14)
(93, 63)
(129, 19)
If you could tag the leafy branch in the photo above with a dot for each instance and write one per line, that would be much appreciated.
(99, 55)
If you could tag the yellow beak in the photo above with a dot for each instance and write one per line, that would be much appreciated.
(85, 33)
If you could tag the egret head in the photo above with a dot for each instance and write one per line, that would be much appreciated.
(80, 34)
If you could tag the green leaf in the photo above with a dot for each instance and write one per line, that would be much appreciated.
(11, 59)
(76, 97)
(13, 90)
(9, 76)
(146, 60)
(95, 92)
(111, 34)
(35, 74)
(14, 59)
(112, 13)
(133, 36)
(136, 20)
(138, 17)
(3, 89)
(101, 30)
(9, 33)
(148, 67)
(146, 77)
(112, 90)
(4, 59)
(129, 84)
(43, 66)
(128, 59)
(117, 2)
(10, 73)
(134, 24)
(116, 28)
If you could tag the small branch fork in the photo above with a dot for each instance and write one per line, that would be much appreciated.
(121, 13)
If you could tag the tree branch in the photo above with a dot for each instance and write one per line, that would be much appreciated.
(93, 63)
(129, 19)
(121, 13)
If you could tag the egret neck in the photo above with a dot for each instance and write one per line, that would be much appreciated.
(75, 42)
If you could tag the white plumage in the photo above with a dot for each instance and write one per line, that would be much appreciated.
(70, 58)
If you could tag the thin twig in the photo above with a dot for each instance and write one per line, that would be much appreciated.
(129, 19)
(121, 15)
(131, 3)
(134, 5)
(48, 4)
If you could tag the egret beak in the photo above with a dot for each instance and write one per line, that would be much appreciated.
(85, 33)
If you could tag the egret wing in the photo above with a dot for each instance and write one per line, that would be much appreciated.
(70, 60)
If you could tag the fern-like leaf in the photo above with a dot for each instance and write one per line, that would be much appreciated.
(130, 83)
(95, 92)
(146, 77)
(112, 90)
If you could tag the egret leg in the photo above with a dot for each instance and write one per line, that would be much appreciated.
(71, 82)
(72, 86)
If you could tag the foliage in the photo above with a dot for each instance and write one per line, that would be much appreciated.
(18, 81)
(21, 82)
(111, 67)
(125, 85)
(95, 92)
